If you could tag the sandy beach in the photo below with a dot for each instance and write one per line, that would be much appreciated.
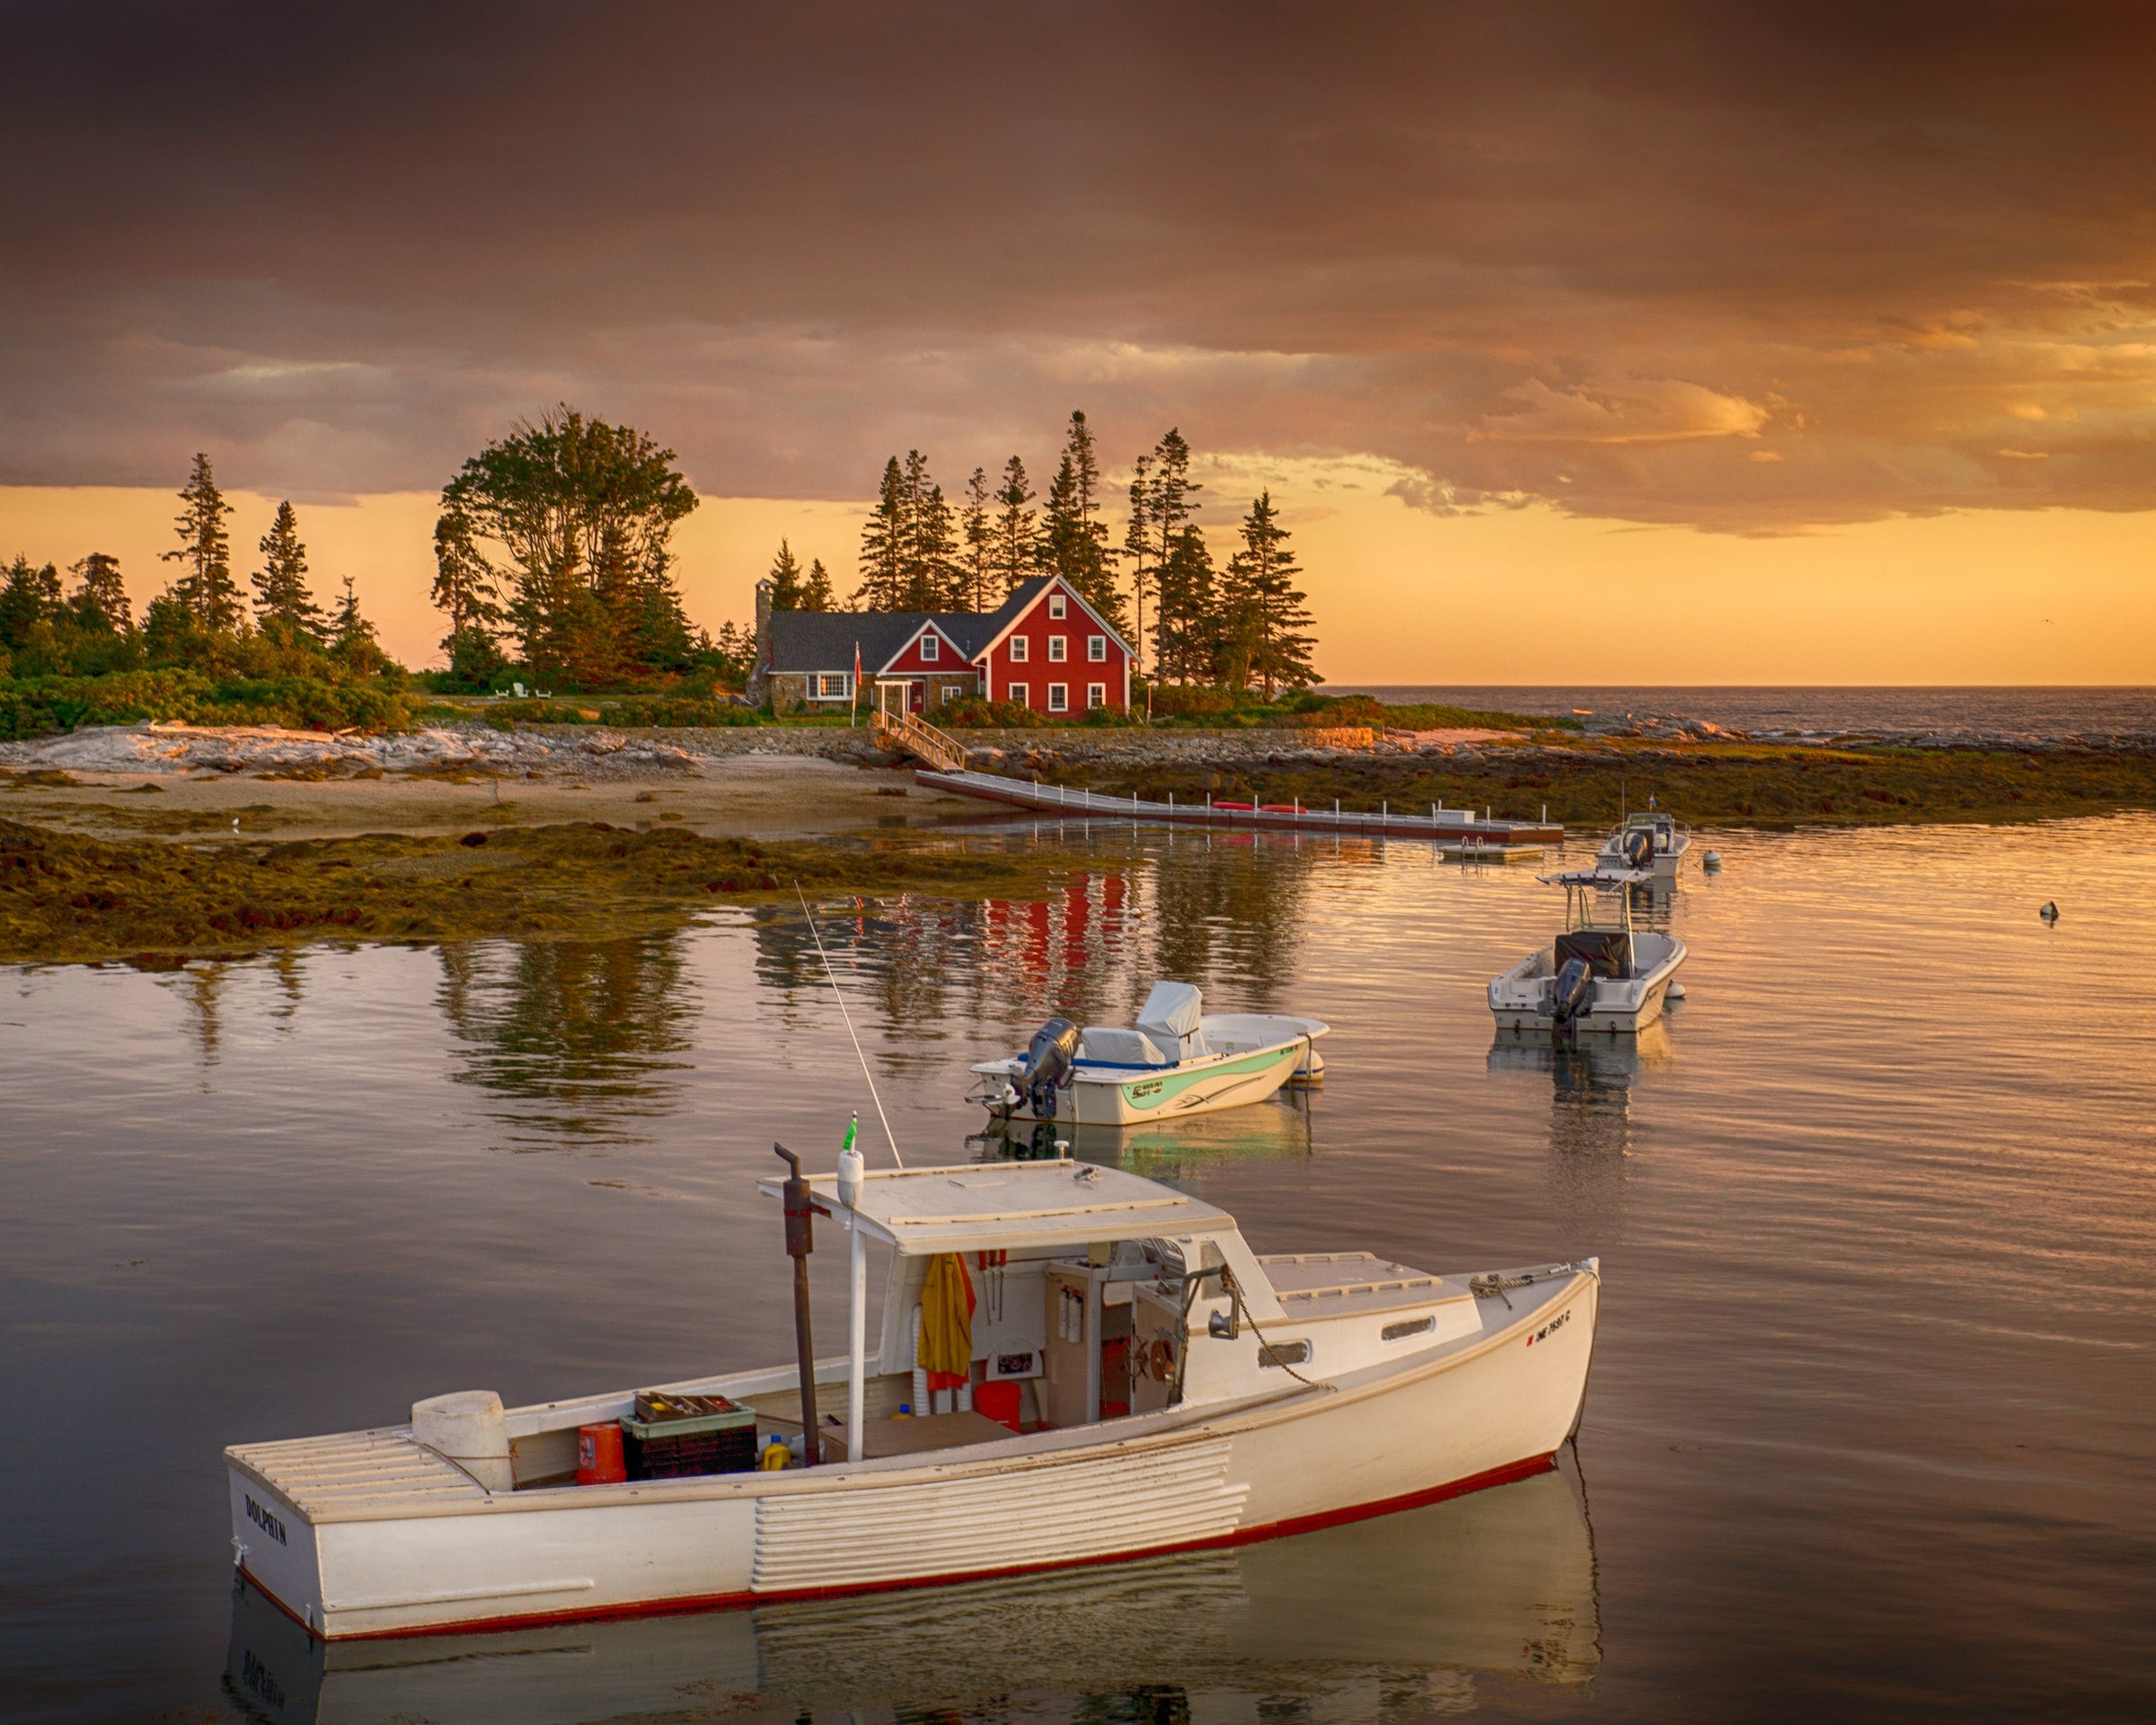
(748, 796)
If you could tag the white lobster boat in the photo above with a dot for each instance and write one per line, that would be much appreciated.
(1176, 1392)
(1600, 974)
(1179, 1060)
(1498, 1582)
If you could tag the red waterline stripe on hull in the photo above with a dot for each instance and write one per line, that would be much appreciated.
(1512, 1471)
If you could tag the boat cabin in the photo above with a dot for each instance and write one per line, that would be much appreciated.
(1093, 1294)
(1087, 1294)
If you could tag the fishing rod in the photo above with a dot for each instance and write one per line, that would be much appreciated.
(843, 1013)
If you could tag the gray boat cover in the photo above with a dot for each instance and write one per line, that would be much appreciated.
(1172, 1016)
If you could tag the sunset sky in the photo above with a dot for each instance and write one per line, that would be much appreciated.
(1653, 343)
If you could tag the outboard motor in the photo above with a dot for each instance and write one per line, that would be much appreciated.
(1048, 1061)
(1639, 848)
(1573, 992)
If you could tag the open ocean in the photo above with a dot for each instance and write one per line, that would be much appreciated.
(2026, 711)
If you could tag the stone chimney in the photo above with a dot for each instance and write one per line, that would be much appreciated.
(758, 679)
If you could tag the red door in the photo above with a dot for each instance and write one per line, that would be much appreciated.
(916, 694)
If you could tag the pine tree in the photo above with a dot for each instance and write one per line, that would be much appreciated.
(1137, 545)
(1014, 556)
(282, 602)
(979, 534)
(101, 597)
(931, 571)
(1168, 508)
(1269, 626)
(204, 586)
(30, 599)
(786, 580)
(1073, 541)
(816, 591)
(1187, 638)
(466, 587)
(884, 538)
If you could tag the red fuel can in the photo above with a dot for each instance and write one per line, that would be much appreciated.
(599, 1454)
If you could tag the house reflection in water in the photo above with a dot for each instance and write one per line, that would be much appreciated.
(1214, 912)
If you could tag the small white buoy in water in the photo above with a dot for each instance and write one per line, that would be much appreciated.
(1713, 860)
(1676, 991)
(2050, 912)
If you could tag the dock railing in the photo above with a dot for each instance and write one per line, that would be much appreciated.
(919, 738)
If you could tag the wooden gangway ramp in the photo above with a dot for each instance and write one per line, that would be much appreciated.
(1454, 830)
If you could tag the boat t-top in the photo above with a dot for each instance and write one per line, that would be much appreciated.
(1653, 842)
(1178, 1060)
(1600, 973)
(1121, 1375)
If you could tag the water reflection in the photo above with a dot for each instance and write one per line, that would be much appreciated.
(582, 1028)
(1592, 1078)
(1282, 1126)
(1393, 1618)
(1088, 947)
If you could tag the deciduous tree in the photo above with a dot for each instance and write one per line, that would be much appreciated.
(581, 515)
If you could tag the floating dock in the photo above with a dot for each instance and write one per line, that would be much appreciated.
(1457, 832)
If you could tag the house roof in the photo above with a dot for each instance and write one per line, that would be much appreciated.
(823, 641)
(986, 1207)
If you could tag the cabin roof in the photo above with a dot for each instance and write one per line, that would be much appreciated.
(997, 1206)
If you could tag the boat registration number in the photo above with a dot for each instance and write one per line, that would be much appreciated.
(1550, 1328)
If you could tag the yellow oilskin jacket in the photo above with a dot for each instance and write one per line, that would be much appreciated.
(947, 1303)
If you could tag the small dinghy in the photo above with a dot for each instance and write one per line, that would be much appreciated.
(1653, 843)
(1601, 974)
(1179, 1060)
(1126, 1377)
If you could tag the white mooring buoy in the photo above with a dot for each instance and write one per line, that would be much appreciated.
(1713, 860)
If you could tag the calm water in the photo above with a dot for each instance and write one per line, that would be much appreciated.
(1992, 709)
(1872, 1429)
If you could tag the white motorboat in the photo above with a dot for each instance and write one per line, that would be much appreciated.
(1157, 1385)
(1653, 842)
(1600, 973)
(1178, 1060)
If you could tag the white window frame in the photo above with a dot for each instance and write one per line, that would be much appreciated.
(822, 689)
(1020, 694)
(932, 649)
(1059, 606)
(1096, 649)
(1059, 697)
(1020, 648)
(1059, 649)
(1096, 695)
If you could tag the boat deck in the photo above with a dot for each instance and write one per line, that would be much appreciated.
(1345, 1284)
(344, 1476)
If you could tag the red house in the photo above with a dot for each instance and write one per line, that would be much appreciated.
(1043, 648)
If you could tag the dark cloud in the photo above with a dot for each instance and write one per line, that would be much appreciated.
(1753, 268)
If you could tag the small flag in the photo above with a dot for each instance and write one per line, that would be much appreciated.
(852, 1127)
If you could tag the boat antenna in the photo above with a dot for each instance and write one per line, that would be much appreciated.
(843, 1013)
